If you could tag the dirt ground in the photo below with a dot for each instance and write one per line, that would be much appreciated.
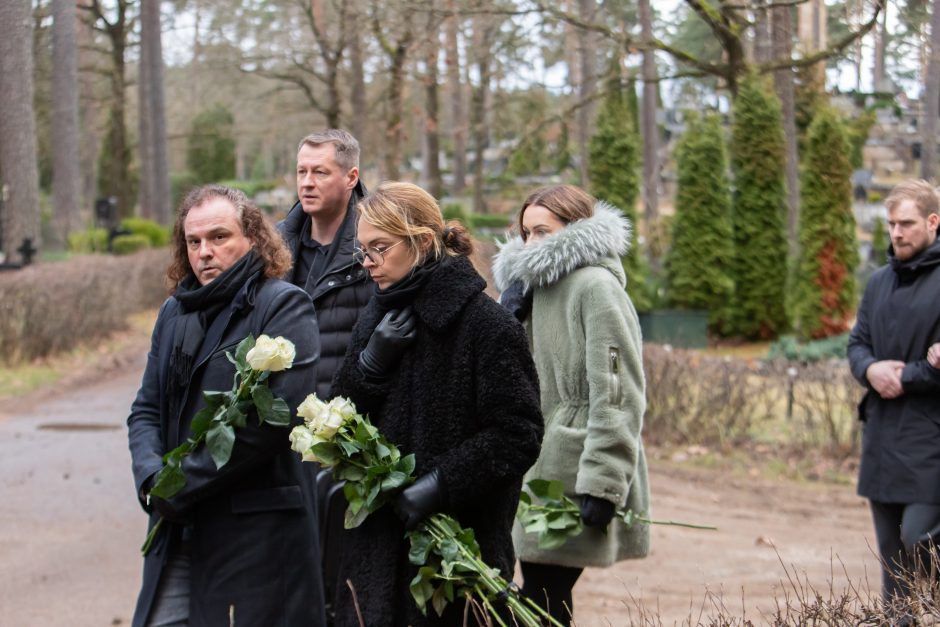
(70, 527)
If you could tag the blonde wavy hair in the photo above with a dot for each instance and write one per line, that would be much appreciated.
(405, 210)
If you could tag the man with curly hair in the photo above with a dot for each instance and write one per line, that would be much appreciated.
(238, 544)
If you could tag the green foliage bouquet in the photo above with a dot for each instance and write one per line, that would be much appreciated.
(544, 509)
(448, 557)
(215, 423)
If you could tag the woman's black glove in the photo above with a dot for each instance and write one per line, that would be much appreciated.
(421, 499)
(596, 512)
(391, 337)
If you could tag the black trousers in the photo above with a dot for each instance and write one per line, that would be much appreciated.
(550, 586)
(907, 536)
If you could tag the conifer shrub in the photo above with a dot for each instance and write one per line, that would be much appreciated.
(758, 158)
(613, 161)
(824, 290)
(156, 234)
(127, 244)
(698, 264)
(879, 242)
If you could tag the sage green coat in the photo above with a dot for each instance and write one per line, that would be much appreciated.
(587, 347)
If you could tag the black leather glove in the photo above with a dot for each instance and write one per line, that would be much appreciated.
(391, 337)
(517, 301)
(421, 499)
(596, 512)
(167, 511)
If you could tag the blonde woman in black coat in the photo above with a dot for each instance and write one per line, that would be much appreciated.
(446, 374)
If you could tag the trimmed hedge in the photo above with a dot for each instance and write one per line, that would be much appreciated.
(156, 234)
(128, 244)
(51, 307)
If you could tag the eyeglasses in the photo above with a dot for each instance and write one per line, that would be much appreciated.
(375, 254)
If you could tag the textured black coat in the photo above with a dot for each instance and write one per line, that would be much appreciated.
(464, 400)
(899, 318)
(254, 533)
(340, 294)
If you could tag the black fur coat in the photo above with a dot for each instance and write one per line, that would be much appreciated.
(464, 400)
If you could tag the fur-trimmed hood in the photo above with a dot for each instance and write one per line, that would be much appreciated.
(582, 243)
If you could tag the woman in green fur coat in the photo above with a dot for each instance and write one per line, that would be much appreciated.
(563, 278)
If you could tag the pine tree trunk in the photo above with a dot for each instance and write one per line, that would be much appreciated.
(357, 96)
(145, 148)
(482, 41)
(586, 52)
(152, 60)
(458, 115)
(649, 129)
(431, 144)
(881, 51)
(66, 169)
(783, 82)
(928, 152)
(19, 175)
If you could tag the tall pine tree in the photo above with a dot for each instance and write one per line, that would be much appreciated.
(698, 265)
(614, 154)
(759, 206)
(824, 291)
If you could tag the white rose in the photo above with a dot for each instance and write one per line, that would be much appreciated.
(344, 407)
(330, 425)
(313, 411)
(271, 354)
(301, 439)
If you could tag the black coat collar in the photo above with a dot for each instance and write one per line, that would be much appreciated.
(447, 292)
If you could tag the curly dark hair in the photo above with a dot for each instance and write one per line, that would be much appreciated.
(265, 239)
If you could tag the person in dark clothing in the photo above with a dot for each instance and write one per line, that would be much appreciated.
(320, 231)
(898, 320)
(238, 544)
(445, 373)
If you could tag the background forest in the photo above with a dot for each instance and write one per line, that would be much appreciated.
(714, 124)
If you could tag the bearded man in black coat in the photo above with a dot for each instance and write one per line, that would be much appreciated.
(898, 320)
(238, 544)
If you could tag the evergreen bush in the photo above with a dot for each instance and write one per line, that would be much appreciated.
(157, 235)
(613, 165)
(758, 158)
(790, 348)
(879, 243)
(824, 290)
(127, 244)
(698, 264)
(88, 241)
(210, 150)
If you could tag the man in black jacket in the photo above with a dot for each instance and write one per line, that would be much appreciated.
(320, 231)
(238, 544)
(898, 320)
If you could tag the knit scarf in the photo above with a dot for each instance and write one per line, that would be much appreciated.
(200, 304)
(403, 292)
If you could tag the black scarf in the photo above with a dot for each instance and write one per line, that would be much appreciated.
(403, 293)
(200, 304)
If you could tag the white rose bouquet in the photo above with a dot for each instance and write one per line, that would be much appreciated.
(215, 423)
(544, 509)
(448, 557)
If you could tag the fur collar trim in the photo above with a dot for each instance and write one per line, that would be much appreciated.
(582, 243)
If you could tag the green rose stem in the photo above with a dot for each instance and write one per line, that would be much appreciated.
(184, 449)
(494, 585)
(626, 515)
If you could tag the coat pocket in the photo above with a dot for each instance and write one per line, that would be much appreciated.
(267, 500)
(613, 372)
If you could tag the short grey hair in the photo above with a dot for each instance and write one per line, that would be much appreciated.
(346, 146)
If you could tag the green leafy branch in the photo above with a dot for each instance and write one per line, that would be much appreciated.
(544, 509)
(215, 424)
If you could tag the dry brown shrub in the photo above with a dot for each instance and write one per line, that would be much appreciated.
(52, 307)
(711, 401)
(720, 402)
